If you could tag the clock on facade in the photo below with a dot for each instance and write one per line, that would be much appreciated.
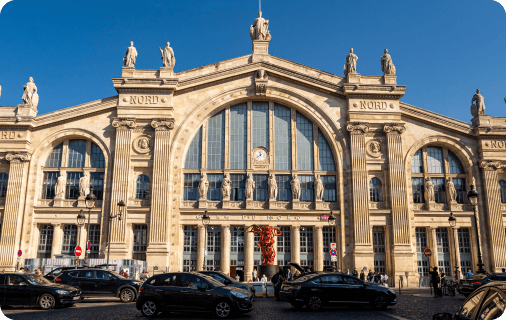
(260, 155)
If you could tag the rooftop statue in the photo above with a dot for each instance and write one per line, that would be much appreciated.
(168, 58)
(351, 63)
(258, 30)
(30, 96)
(130, 56)
(387, 66)
(478, 109)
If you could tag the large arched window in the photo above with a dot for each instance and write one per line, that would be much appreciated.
(375, 190)
(294, 144)
(502, 185)
(84, 156)
(142, 187)
(4, 180)
(437, 164)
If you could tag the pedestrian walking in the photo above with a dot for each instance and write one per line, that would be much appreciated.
(386, 280)
(434, 279)
(469, 273)
(277, 280)
(362, 275)
(355, 272)
(255, 274)
(370, 276)
(382, 278)
(376, 277)
(264, 284)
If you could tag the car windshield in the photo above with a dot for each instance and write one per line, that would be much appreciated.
(37, 280)
(212, 281)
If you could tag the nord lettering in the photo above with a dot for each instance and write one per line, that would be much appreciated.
(7, 135)
(496, 144)
(144, 99)
(373, 105)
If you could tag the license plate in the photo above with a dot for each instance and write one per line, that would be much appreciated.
(76, 298)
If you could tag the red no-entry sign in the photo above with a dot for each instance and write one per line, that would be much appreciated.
(20, 253)
(333, 252)
(78, 251)
(427, 253)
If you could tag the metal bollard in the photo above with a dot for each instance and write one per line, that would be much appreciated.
(400, 280)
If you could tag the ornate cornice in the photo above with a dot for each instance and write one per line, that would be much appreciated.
(490, 165)
(163, 124)
(123, 123)
(18, 157)
(394, 127)
(357, 127)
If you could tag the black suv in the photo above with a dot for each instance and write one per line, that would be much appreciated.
(228, 281)
(31, 289)
(466, 286)
(99, 282)
(191, 292)
(331, 289)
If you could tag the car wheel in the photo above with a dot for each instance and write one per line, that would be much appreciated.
(380, 302)
(223, 309)
(126, 295)
(314, 303)
(149, 309)
(47, 301)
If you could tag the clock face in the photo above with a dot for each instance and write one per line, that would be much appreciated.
(260, 155)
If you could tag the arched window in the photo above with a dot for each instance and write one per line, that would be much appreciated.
(375, 190)
(304, 143)
(283, 137)
(325, 154)
(54, 158)
(77, 153)
(97, 157)
(142, 189)
(502, 184)
(4, 179)
(194, 154)
(216, 141)
(238, 136)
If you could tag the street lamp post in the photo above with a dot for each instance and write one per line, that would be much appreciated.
(206, 219)
(121, 206)
(90, 204)
(453, 222)
(472, 195)
(332, 221)
(80, 223)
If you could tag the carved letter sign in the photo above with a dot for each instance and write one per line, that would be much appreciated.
(7, 135)
(497, 144)
(144, 99)
(373, 105)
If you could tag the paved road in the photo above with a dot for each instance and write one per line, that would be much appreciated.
(411, 304)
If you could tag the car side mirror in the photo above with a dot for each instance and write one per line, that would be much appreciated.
(442, 316)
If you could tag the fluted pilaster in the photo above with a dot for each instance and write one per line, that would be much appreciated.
(295, 244)
(318, 248)
(201, 246)
(225, 249)
(249, 244)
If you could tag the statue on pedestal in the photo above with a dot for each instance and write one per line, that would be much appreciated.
(450, 188)
(30, 96)
(295, 185)
(273, 187)
(258, 30)
(168, 58)
(59, 187)
(429, 190)
(319, 188)
(478, 109)
(265, 242)
(84, 186)
(249, 187)
(387, 66)
(226, 186)
(130, 56)
(203, 187)
(351, 63)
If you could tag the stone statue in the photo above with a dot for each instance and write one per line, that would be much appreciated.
(226, 185)
(143, 143)
(168, 59)
(249, 187)
(258, 30)
(351, 63)
(429, 190)
(130, 56)
(387, 66)
(59, 187)
(30, 96)
(450, 188)
(273, 187)
(295, 185)
(478, 109)
(318, 188)
(375, 147)
(203, 187)
(84, 185)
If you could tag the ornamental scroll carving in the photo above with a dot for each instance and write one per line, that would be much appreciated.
(490, 165)
(394, 127)
(142, 144)
(123, 123)
(373, 148)
(18, 157)
(261, 80)
(357, 127)
(163, 124)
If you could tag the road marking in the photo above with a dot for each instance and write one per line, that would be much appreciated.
(391, 315)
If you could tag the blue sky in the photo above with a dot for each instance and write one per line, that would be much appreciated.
(443, 50)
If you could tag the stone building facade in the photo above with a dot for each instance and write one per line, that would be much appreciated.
(258, 114)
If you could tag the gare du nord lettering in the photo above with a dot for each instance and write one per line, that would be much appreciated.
(497, 144)
(144, 99)
(373, 105)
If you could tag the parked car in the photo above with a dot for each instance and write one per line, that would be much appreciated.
(191, 292)
(467, 286)
(486, 303)
(228, 281)
(99, 282)
(316, 291)
(32, 289)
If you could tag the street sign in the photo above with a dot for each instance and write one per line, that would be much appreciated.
(427, 253)
(20, 253)
(78, 251)
(332, 245)
(324, 217)
(333, 252)
(365, 269)
(88, 245)
(333, 258)
(155, 268)
(205, 253)
(18, 259)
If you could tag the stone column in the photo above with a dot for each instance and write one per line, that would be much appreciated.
(157, 253)
(388, 252)
(225, 249)
(474, 249)
(120, 185)
(295, 244)
(318, 248)
(433, 262)
(249, 243)
(57, 239)
(12, 218)
(363, 251)
(201, 245)
(82, 239)
(495, 225)
(457, 250)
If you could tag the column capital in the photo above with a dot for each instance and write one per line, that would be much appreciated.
(490, 165)
(295, 227)
(57, 225)
(225, 227)
(394, 127)
(124, 123)
(357, 127)
(201, 227)
(18, 157)
(319, 227)
(164, 124)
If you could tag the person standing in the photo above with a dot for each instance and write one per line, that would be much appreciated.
(376, 277)
(254, 274)
(434, 279)
(237, 278)
(370, 276)
(362, 275)
(289, 275)
(264, 284)
(386, 280)
(355, 272)
(469, 273)
(277, 281)
(348, 272)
